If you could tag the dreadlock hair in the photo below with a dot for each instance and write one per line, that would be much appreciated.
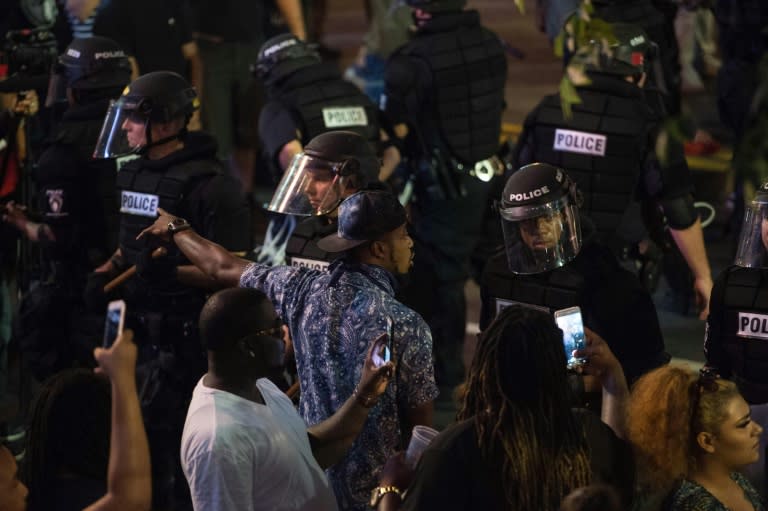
(518, 396)
(68, 434)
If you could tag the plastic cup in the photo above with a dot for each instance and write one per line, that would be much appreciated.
(421, 437)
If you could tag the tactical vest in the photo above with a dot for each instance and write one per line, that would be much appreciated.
(468, 66)
(302, 249)
(144, 190)
(603, 147)
(325, 102)
(739, 328)
(548, 291)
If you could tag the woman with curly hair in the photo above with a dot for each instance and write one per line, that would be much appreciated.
(519, 444)
(691, 434)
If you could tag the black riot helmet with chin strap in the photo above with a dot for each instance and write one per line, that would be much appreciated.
(627, 53)
(157, 97)
(540, 219)
(331, 166)
(282, 56)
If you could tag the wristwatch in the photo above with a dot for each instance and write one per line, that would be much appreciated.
(380, 491)
(177, 225)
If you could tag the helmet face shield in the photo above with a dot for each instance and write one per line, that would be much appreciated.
(541, 237)
(123, 132)
(751, 252)
(310, 186)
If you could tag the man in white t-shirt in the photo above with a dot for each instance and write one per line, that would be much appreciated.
(244, 445)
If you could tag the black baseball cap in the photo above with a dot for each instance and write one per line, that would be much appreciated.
(364, 216)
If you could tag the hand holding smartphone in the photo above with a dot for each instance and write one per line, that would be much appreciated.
(114, 323)
(383, 352)
(570, 322)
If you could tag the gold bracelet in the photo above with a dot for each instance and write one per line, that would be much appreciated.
(365, 401)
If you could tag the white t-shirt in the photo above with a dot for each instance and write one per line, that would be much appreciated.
(243, 456)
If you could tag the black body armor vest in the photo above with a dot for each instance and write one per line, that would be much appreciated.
(302, 249)
(322, 101)
(469, 69)
(603, 146)
(737, 329)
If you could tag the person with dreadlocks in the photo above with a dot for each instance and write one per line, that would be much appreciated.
(519, 444)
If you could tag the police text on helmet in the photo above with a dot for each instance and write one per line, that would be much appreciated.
(117, 54)
(538, 192)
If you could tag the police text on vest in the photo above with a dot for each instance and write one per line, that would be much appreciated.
(753, 325)
(143, 204)
(343, 116)
(580, 142)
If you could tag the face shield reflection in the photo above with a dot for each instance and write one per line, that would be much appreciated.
(753, 240)
(541, 238)
(123, 131)
(311, 186)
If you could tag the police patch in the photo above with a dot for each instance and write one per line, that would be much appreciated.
(142, 204)
(752, 326)
(579, 142)
(312, 264)
(344, 116)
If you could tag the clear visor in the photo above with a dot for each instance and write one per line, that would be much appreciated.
(123, 131)
(753, 241)
(546, 237)
(310, 186)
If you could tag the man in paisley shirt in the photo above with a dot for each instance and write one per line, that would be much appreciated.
(332, 316)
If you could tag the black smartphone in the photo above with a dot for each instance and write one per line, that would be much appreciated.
(570, 322)
(113, 324)
(383, 352)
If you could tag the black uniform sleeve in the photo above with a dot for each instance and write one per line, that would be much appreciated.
(220, 208)
(714, 350)
(405, 81)
(276, 128)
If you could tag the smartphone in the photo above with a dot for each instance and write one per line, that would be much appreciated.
(383, 352)
(113, 325)
(570, 322)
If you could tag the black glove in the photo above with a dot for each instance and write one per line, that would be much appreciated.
(94, 296)
(157, 270)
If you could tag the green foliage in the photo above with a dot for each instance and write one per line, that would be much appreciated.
(568, 96)
(751, 158)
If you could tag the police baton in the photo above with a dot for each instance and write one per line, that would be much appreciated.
(127, 274)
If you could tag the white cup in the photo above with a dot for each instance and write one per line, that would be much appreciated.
(421, 437)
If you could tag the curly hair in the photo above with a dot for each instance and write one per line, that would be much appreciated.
(518, 396)
(668, 408)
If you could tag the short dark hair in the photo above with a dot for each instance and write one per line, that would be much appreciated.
(231, 314)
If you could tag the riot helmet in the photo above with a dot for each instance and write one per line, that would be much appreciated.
(283, 55)
(157, 97)
(89, 64)
(540, 219)
(753, 241)
(437, 6)
(319, 177)
(625, 54)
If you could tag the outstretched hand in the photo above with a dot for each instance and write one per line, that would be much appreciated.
(601, 363)
(160, 227)
(14, 214)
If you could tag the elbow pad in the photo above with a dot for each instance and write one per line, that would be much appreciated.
(680, 212)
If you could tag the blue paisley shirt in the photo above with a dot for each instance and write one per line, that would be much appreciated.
(333, 317)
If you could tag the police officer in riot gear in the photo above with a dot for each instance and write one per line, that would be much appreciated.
(552, 259)
(330, 168)
(77, 227)
(737, 326)
(307, 97)
(177, 171)
(608, 146)
(444, 96)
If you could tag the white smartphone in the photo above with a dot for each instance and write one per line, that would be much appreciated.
(570, 322)
(113, 325)
(383, 352)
